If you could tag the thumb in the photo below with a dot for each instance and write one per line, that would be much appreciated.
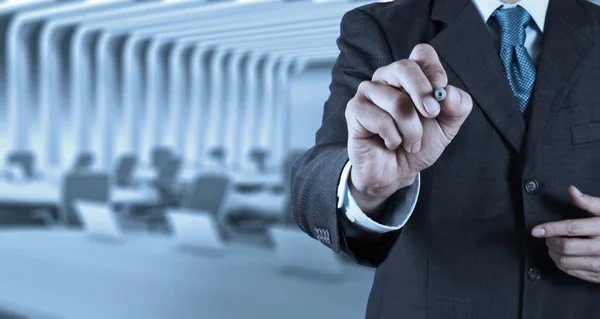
(454, 110)
(585, 201)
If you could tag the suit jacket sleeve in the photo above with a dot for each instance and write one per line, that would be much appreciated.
(315, 176)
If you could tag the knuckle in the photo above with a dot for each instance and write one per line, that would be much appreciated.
(567, 246)
(594, 248)
(564, 262)
(364, 86)
(589, 248)
(388, 126)
(589, 200)
(594, 202)
(348, 115)
(555, 242)
(379, 70)
(466, 100)
(394, 143)
(574, 228)
(350, 108)
(422, 84)
(413, 132)
(422, 48)
(596, 265)
(384, 119)
(404, 64)
(430, 69)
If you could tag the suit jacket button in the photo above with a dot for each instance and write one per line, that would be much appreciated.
(532, 186)
(534, 274)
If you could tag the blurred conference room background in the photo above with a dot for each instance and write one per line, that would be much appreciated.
(145, 151)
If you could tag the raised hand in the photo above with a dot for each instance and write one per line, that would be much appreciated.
(396, 128)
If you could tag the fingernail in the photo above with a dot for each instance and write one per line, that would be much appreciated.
(438, 79)
(432, 107)
(578, 192)
(416, 147)
(538, 232)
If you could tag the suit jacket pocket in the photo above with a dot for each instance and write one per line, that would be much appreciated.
(585, 133)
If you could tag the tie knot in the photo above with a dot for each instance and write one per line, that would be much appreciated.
(513, 23)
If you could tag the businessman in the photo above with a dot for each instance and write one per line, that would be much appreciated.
(471, 207)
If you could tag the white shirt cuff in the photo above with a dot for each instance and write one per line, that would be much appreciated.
(355, 215)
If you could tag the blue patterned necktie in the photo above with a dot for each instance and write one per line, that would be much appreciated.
(518, 65)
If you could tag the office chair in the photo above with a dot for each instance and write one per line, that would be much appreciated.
(166, 181)
(217, 156)
(82, 186)
(25, 160)
(166, 185)
(208, 194)
(159, 156)
(85, 160)
(125, 170)
(259, 156)
(197, 224)
(208, 199)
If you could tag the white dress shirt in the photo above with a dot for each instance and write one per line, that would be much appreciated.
(533, 40)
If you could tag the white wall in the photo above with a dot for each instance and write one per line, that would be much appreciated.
(308, 92)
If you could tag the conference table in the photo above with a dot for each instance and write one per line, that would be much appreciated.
(242, 179)
(62, 274)
(44, 193)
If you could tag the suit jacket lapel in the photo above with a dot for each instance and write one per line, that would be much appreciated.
(563, 49)
(466, 47)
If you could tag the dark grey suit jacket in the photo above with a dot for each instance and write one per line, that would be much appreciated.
(466, 252)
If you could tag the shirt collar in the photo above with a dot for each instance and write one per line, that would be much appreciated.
(536, 8)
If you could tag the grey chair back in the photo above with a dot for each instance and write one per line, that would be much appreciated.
(259, 156)
(159, 156)
(125, 170)
(169, 170)
(85, 160)
(24, 159)
(82, 186)
(166, 182)
(209, 193)
(217, 154)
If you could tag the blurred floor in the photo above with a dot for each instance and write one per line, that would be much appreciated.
(63, 274)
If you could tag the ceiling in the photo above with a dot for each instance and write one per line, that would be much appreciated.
(295, 29)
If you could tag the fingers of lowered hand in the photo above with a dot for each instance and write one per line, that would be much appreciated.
(585, 201)
(400, 107)
(365, 120)
(569, 228)
(570, 263)
(585, 268)
(574, 246)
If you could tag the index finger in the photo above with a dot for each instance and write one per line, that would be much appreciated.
(429, 61)
(569, 228)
